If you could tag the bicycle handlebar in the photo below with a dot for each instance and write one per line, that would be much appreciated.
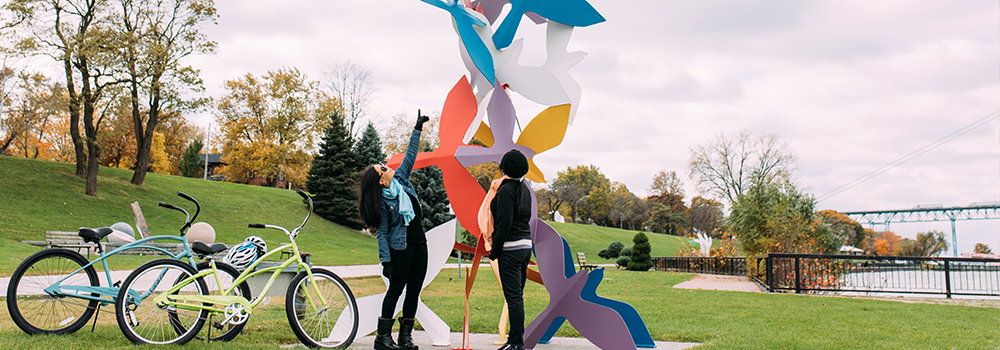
(255, 225)
(302, 193)
(169, 206)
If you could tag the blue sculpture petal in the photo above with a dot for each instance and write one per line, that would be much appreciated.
(577, 13)
(474, 45)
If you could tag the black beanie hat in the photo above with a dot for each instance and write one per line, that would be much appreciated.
(514, 164)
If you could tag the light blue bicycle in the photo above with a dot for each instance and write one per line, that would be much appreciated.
(56, 291)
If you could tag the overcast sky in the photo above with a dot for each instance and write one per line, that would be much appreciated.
(850, 85)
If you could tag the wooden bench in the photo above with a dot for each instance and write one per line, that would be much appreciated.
(582, 260)
(64, 239)
(72, 241)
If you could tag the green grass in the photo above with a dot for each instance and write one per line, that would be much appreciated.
(41, 196)
(718, 319)
(591, 239)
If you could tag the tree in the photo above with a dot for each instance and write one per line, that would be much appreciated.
(882, 243)
(668, 190)
(777, 218)
(705, 215)
(848, 231)
(369, 147)
(157, 36)
(333, 176)
(398, 136)
(429, 184)
(548, 204)
(930, 243)
(191, 165)
(981, 248)
(663, 220)
(613, 251)
(575, 185)
(728, 166)
(629, 209)
(351, 84)
(78, 34)
(269, 125)
(640, 259)
(34, 103)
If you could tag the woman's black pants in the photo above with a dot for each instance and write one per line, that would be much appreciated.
(513, 265)
(409, 267)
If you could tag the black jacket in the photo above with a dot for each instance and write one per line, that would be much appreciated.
(509, 225)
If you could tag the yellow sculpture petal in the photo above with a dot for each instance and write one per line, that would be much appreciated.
(543, 133)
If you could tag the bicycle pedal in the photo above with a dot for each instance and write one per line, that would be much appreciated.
(130, 315)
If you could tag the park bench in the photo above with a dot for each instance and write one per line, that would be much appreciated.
(581, 258)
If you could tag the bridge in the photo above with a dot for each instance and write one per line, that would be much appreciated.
(975, 211)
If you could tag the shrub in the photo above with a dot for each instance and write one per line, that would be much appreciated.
(614, 250)
(623, 261)
(626, 252)
(640, 260)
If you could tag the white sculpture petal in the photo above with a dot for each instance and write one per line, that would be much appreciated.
(559, 62)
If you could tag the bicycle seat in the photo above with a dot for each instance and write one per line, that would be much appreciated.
(202, 248)
(94, 235)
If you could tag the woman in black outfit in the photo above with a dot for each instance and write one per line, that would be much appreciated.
(511, 210)
(388, 203)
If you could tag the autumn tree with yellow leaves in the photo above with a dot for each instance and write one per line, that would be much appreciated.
(270, 125)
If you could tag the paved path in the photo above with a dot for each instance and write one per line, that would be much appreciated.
(717, 282)
(485, 342)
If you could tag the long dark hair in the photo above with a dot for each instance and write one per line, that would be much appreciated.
(370, 197)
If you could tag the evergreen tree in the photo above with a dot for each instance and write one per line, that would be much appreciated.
(369, 147)
(429, 184)
(333, 175)
(191, 165)
(640, 260)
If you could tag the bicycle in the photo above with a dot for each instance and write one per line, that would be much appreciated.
(162, 301)
(57, 291)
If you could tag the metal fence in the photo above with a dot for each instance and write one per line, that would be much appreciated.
(716, 266)
(877, 274)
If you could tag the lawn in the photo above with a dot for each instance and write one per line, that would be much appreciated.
(718, 319)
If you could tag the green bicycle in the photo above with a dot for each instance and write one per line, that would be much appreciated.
(164, 301)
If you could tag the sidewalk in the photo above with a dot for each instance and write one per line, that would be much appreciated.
(485, 342)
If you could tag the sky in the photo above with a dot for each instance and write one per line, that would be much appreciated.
(851, 86)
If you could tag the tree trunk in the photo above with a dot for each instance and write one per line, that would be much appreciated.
(92, 166)
(74, 119)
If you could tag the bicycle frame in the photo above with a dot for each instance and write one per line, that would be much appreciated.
(196, 302)
(107, 295)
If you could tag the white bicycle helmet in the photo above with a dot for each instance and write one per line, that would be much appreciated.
(246, 252)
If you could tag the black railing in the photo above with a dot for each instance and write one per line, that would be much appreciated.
(733, 266)
(877, 274)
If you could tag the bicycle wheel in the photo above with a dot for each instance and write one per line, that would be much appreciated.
(143, 321)
(37, 312)
(217, 329)
(331, 326)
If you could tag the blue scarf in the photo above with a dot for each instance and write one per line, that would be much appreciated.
(405, 206)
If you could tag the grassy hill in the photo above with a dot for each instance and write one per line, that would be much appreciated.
(39, 196)
(591, 239)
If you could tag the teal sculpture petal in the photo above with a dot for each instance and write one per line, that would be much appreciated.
(577, 13)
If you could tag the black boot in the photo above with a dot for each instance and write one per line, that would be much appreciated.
(383, 340)
(405, 330)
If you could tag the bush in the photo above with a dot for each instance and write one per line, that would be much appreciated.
(626, 252)
(623, 261)
(613, 252)
(641, 260)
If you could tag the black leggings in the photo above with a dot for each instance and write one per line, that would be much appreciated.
(513, 265)
(409, 267)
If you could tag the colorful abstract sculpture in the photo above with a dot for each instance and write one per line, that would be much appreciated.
(492, 62)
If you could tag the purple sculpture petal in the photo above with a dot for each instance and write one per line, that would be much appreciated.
(501, 114)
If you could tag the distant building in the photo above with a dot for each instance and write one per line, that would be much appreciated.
(214, 161)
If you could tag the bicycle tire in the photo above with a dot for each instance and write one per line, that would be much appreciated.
(36, 312)
(332, 327)
(142, 321)
(229, 274)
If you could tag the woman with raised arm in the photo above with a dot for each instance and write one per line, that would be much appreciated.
(388, 203)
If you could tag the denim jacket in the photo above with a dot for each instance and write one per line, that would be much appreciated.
(391, 233)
